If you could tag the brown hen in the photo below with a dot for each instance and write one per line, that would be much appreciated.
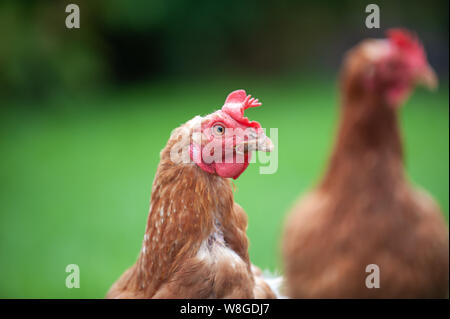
(195, 243)
(365, 211)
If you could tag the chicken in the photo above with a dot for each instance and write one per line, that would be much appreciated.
(195, 243)
(364, 212)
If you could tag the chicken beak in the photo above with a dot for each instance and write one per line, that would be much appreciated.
(257, 142)
(427, 77)
(264, 144)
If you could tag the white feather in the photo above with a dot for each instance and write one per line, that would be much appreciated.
(275, 283)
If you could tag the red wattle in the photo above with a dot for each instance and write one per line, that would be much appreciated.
(226, 170)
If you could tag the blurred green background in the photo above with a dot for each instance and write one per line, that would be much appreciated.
(84, 114)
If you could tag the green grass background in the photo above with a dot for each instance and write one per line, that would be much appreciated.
(76, 173)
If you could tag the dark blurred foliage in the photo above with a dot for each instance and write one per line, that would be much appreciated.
(122, 42)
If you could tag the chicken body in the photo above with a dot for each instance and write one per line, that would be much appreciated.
(195, 243)
(365, 212)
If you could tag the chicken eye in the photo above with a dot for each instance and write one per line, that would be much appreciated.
(218, 129)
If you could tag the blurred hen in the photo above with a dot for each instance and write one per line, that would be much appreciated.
(365, 211)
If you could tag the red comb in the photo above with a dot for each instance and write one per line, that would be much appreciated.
(235, 105)
(407, 42)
